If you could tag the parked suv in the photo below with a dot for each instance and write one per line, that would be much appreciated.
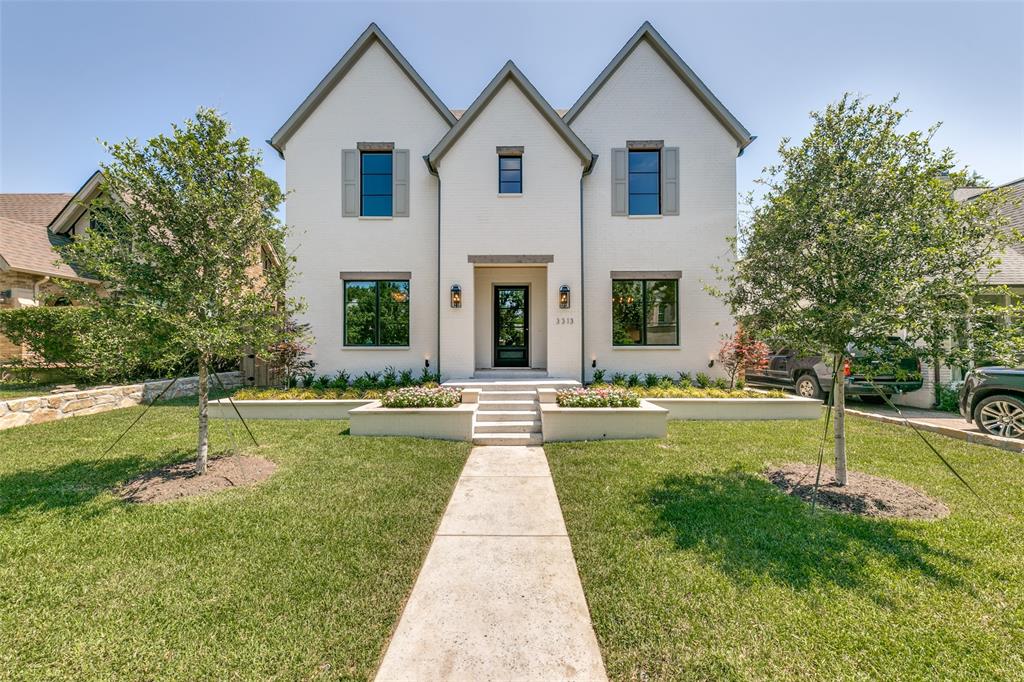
(811, 376)
(993, 398)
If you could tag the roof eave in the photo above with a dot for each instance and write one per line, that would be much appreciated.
(337, 73)
(62, 221)
(681, 68)
(510, 72)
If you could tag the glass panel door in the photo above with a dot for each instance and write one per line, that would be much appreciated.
(511, 326)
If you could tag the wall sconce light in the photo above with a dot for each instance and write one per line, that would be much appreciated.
(456, 296)
(711, 363)
(563, 296)
(426, 363)
(593, 363)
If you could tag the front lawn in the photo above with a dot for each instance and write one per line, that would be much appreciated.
(695, 567)
(300, 577)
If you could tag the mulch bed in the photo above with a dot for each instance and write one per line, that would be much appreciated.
(863, 494)
(180, 480)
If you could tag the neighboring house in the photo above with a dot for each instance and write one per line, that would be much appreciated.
(31, 225)
(1009, 274)
(512, 235)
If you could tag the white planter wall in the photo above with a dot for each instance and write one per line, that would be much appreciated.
(285, 409)
(603, 423)
(737, 409)
(444, 423)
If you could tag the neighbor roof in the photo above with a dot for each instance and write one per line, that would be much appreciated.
(647, 33)
(28, 247)
(369, 36)
(34, 209)
(1011, 269)
(510, 72)
(74, 207)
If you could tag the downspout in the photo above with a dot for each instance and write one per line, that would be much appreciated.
(433, 171)
(35, 289)
(583, 308)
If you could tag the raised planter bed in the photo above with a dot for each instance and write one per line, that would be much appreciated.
(737, 409)
(285, 409)
(445, 423)
(602, 423)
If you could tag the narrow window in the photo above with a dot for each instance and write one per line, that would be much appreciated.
(510, 175)
(644, 182)
(375, 173)
(645, 312)
(376, 313)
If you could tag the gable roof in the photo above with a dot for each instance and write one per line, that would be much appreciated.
(34, 209)
(371, 35)
(647, 33)
(29, 248)
(73, 208)
(510, 72)
(1011, 269)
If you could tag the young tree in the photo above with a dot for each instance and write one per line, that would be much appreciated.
(741, 352)
(857, 238)
(178, 237)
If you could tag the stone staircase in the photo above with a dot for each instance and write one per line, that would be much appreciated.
(509, 410)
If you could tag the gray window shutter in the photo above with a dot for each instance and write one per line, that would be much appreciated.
(350, 182)
(670, 181)
(400, 183)
(620, 182)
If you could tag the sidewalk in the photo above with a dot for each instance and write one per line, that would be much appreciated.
(498, 597)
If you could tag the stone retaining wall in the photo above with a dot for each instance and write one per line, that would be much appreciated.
(54, 406)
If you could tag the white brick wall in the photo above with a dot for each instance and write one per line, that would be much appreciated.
(375, 102)
(645, 100)
(544, 220)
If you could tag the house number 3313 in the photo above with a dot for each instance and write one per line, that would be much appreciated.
(565, 320)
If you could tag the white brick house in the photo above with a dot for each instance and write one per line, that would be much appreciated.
(512, 235)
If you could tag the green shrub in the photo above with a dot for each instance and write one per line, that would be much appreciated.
(619, 379)
(599, 376)
(684, 379)
(421, 396)
(602, 396)
(703, 380)
(948, 397)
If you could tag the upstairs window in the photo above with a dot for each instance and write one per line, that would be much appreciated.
(644, 182)
(376, 184)
(510, 174)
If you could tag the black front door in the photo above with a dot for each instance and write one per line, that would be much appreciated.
(511, 326)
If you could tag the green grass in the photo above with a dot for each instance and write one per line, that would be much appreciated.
(695, 567)
(301, 577)
(15, 391)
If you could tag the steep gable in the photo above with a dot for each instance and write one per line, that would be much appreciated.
(511, 73)
(371, 36)
(647, 34)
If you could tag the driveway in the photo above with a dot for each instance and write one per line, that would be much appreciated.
(946, 423)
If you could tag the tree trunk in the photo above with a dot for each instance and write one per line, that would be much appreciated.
(937, 378)
(204, 423)
(839, 405)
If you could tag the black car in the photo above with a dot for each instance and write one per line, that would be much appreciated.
(811, 376)
(993, 398)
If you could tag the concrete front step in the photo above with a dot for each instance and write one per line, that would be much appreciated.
(508, 439)
(489, 405)
(488, 394)
(507, 415)
(531, 426)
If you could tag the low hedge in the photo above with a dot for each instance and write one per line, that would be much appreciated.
(694, 392)
(422, 396)
(603, 396)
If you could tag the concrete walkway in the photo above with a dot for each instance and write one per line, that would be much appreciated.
(498, 597)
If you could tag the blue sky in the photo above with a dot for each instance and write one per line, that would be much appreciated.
(76, 71)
